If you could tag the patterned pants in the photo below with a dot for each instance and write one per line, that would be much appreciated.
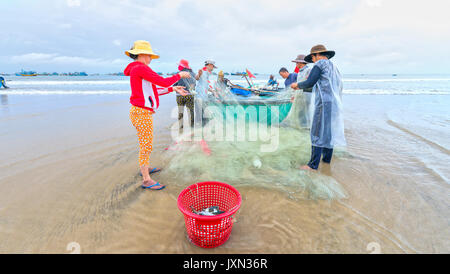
(142, 120)
(187, 101)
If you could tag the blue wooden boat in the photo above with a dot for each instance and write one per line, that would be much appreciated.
(257, 109)
(26, 73)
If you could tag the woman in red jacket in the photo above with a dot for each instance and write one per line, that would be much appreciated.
(146, 87)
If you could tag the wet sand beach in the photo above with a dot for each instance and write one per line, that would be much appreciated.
(68, 173)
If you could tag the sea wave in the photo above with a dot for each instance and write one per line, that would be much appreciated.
(93, 92)
(398, 80)
(57, 83)
(13, 83)
(62, 92)
(394, 92)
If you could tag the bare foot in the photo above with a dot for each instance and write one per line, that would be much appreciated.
(306, 167)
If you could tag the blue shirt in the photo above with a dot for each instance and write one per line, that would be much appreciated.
(2, 82)
(292, 78)
(272, 82)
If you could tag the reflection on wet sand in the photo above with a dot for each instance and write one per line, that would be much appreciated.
(86, 190)
(4, 99)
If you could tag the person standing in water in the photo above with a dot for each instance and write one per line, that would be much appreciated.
(145, 101)
(222, 84)
(204, 84)
(301, 68)
(299, 63)
(272, 82)
(188, 100)
(327, 129)
(289, 78)
(302, 100)
(3, 82)
(202, 89)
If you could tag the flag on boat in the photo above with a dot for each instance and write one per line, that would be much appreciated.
(250, 74)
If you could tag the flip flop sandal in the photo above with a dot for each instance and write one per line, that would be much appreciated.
(150, 187)
(152, 170)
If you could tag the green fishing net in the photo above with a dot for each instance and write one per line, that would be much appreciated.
(271, 160)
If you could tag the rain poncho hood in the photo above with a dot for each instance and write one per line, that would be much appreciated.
(327, 129)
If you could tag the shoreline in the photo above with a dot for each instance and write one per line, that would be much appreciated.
(86, 189)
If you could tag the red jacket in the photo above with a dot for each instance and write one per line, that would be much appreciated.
(144, 82)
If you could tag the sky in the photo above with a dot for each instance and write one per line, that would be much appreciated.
(369, 36)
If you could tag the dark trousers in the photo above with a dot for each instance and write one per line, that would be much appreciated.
(187, 101)
(317, 153)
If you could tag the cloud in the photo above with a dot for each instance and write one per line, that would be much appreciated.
(263, 35)
(374, 3)
(73, 3)
(65, 26)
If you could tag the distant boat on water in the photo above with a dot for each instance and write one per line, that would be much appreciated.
(238, 73)
(26, 73)
(74, 74)
(78, 74)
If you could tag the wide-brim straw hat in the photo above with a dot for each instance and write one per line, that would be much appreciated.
(319, 49)
(300, 59)
(142, 47)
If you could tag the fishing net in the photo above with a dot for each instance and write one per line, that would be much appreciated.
(255, 140)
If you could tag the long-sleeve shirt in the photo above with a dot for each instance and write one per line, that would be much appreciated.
(313, 77)
(144, 85)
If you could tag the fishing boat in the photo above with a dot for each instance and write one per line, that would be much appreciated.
(260, 104)
(256, 108)
(238, 73)
(241, 91)
(26, 73)
(77, 73)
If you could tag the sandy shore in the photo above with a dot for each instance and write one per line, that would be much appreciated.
(69, 174)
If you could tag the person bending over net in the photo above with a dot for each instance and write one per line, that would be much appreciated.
(272, 83)
(3, 82)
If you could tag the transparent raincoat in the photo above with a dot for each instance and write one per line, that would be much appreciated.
(201, 95)
(301, 111)
(327, 128)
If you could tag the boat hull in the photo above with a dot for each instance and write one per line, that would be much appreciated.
(270, 111)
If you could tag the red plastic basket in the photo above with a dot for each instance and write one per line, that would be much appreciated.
(209, 231)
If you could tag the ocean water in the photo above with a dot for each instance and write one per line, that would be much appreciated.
(353, 84)
(417, 104)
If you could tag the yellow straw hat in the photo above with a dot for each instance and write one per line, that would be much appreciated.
(142, 47)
